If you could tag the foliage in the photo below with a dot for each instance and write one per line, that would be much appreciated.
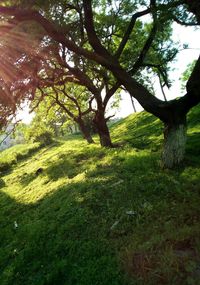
(56, 70)
(43, 127)
(66, 213)
(50, 116)
(186, 74)
(42, 135)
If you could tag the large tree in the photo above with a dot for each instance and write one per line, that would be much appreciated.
(98, 80)
(172, 113)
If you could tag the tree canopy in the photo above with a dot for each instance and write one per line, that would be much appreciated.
(102, 45)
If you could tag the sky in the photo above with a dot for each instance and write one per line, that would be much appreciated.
(185, 35)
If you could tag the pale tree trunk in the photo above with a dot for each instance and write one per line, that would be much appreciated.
(174, 145)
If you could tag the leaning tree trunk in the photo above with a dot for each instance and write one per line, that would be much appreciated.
(102, 129)
(84, 130)
(174, 145)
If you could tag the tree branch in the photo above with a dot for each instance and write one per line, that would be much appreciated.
(70, 114)
(92, 36)
(110, 93)
(148, 42)
(129, 31)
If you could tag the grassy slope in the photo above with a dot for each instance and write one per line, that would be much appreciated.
(99, 216)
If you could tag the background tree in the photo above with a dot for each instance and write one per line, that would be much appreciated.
(71, 100)
(172, 113)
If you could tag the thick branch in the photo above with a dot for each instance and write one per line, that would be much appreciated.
(129, 31)
(90, 109)
(52, 30)
(148, 42)
(194, 7)
(92, 36)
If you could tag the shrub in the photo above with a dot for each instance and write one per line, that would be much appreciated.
(44, 138)
(42, 135)
(5, 166)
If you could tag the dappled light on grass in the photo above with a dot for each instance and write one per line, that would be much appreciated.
(90, 215)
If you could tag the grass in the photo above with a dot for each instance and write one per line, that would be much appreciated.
(11, 156)
(89, 215)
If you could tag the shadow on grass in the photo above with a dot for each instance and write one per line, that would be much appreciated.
(66, 237)
(70, 165)
(27, 178)
(140, 131)
(63, 168)
(58, 240)
(7, 168)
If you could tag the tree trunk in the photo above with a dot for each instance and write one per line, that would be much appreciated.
(84, 130)
(174, 145)
(102, 129)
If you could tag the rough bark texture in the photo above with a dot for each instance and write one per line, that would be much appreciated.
(102, 129)
(174, 145)
(85, 132)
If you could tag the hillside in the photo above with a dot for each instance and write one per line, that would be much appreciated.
(78, 214)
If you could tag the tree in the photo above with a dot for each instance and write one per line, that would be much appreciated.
(50, 116)
(186, 74)
(172, 113)
(104, 86)
(71, 100)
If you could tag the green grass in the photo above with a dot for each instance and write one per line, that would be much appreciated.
(11, 156)
(102, 216)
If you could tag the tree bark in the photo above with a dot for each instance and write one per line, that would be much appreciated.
(102, 129)
(84, 130)
(174, 145)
